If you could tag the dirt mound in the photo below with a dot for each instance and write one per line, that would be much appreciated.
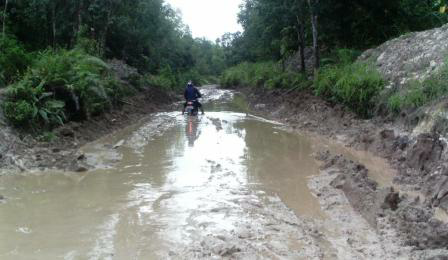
(413, 56)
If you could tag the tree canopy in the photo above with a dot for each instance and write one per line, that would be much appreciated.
(272, 27)
(147, 34)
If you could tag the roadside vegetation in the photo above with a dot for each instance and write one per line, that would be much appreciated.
(268, 75)
(351, 83)
(59, 86)
(340, 80)
(321, 45)
(420, 93)
(14, 60)
(54, 57)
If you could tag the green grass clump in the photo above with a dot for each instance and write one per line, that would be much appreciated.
(420, 93)
(59, 86)
(354, 84)
(268, 75)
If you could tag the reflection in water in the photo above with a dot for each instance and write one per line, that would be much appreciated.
(192, 129)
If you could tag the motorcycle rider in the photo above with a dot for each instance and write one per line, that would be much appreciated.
(192, 94)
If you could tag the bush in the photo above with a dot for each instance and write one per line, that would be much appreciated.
(169, 80)
(62, 85)
(264, 74)
(14, 60)
(354, 85)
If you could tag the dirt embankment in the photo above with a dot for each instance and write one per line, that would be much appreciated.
(415, 204)
(27, 151)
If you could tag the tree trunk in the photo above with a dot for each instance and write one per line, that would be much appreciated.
(79, 14)
(313, 4)
(4, 20)
(53, 18)
(103, 35)
(301, 39)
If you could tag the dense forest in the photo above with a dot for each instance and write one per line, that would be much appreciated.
(314, 44)
(147, 34)
(274, 29)
(54, 53)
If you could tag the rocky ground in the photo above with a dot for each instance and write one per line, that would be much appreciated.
(414, 204)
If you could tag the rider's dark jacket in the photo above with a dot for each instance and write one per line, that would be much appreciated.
(192, 93)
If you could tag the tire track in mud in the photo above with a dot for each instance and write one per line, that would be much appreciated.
(224, 185)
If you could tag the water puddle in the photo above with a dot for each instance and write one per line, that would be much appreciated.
(218, 185)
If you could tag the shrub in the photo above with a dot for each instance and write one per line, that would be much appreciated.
(267, 75)
(14, 60)
(354, 85)
(169, 80)
(62, 85)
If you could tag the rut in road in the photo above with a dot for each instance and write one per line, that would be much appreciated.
(225, 184)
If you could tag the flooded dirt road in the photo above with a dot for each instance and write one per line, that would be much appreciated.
(221, 185)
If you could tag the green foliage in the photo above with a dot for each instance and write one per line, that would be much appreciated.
(420, 93)
(147, 34)
(13, 60)
(271, 27)
(169, 80)
(394, 103)
(340, 56)
(266, 75)
(61, 85)
(354, 85)
(32, 106)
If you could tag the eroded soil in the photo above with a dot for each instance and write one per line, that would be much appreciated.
(412, 204)
(223, 185)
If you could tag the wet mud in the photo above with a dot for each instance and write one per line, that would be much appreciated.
(227, 184)
(406, 199)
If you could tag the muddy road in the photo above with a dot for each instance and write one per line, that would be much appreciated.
(221, 185)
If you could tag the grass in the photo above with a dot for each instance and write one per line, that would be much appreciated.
(342, 80)
(355, 85)
(267, 75)
(420, 93)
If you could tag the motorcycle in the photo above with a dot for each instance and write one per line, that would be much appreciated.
(191, 108)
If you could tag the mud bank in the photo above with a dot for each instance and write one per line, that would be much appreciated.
(414, 204)
(26, 152)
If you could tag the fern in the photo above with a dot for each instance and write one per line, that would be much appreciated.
(57, 77)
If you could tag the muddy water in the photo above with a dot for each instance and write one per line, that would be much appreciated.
(224, 184)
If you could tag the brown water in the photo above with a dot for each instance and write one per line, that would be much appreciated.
(172, 186)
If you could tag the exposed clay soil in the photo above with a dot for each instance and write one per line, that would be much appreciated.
(414, 204)
(409, 205)
(29, 153)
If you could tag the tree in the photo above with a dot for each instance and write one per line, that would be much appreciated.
(313, 5)
(4, 19)
(300, 17)
(268, 26)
